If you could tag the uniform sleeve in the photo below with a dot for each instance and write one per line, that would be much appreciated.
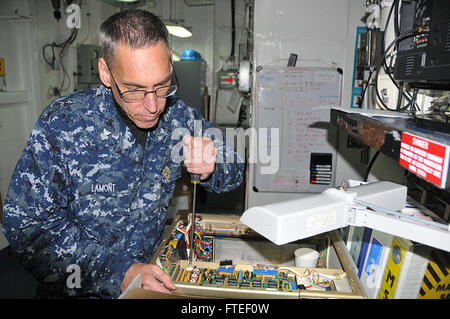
(229, 169)
(41, 228)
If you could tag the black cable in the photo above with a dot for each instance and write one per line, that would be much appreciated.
(400, 95)
(63, 81)
(230, 59)
(388, 19)
(64, 46)
(397, 39)
(66, 43)
(388, 72)
(45, 57)
(366, 177)
(396, 4)
(387, 69)
(413, 102)
(365, 88)
(371, 72)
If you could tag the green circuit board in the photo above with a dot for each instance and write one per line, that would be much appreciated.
(230, 277)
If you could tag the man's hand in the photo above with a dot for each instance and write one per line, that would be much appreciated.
(152, 278)
(199, 155)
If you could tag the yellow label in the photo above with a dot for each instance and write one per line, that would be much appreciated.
(392, 272)
(2, 67)
(436, 282)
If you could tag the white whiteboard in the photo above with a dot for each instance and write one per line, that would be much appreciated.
(297, 101)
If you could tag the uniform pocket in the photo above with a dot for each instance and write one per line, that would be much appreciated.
(104, 217)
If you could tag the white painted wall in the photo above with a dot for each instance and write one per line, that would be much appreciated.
(322, 33)
(21, 45)
(93, 13)
(17, 115)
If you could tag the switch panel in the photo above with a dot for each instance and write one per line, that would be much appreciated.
(87, 64)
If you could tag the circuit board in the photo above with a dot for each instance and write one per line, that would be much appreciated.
(232, 276)
(206, 272)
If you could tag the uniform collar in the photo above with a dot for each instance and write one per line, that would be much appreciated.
(112, 131)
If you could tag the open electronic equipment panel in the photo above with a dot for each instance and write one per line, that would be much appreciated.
(232, 261)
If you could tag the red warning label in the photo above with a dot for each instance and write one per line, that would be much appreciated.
(425, 158)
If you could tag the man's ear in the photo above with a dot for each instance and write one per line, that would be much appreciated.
(104, 73)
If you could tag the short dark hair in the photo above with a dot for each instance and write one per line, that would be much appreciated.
(135, 28)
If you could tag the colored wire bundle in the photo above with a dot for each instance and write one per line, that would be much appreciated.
(315, 280)
(167, 268)
(203, 249)
(184, 231)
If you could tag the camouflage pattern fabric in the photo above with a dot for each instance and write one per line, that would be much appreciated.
(85, 193)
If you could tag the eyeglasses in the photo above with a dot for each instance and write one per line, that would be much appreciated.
(138, 95)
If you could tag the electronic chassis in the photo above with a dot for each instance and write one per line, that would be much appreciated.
(232, 261)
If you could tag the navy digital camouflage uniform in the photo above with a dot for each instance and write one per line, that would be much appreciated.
(85, 193)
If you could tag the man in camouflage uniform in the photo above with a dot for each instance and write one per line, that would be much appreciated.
(94, 182)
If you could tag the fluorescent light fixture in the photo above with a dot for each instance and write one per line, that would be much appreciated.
(199, 2)
(179, 31)
(126, 3)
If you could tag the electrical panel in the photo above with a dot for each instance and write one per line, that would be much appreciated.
(87, 64)
(370, 51)
(227, 79)
(198, 2)
(191, 76)
(423, 60)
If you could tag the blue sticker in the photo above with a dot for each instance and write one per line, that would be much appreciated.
(373, 260)
(397, 254)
